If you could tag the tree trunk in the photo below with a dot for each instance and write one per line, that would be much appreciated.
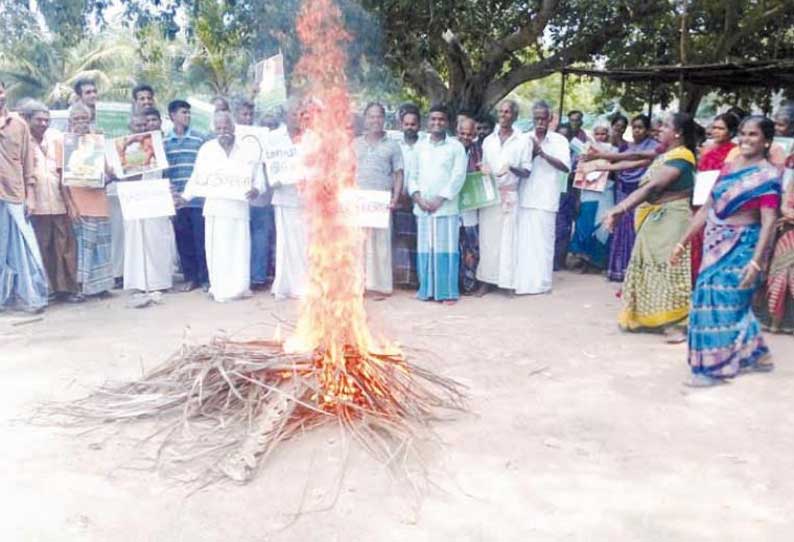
(691, 99)
(470, 97)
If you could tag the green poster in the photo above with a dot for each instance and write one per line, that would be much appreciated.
(201, 113)
(113, 118)
(562, 178)
(478, 191)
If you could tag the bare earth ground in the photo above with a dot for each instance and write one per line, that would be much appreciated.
(577, 433)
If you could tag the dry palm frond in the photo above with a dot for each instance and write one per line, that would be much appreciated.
(225, 406)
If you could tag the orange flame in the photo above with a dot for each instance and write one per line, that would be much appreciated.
(332, 320)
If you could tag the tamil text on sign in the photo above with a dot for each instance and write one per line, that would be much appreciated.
(145, 199)
(366, 208)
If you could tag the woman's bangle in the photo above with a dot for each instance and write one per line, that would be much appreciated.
(681, 246)
(755, 265)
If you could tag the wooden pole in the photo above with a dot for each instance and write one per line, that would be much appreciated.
(767, 109)
(650, 100)
(682, 53)
(562, 94)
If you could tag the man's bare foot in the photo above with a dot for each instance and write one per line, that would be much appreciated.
(375, 296)
(188, 287)
(449, 302)
(482, 290)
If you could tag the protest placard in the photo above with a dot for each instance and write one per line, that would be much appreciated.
(284, 163)
(588, 176)
(113, 118)
(146, 199)
(59, 120)
(366, 208)
(788, 178)
(578, 146)
(225, 182)
(271, 84)
(478, 191)
(134, 154)
(787, 143)
(84, 160)
(254, 139)
(704, 182)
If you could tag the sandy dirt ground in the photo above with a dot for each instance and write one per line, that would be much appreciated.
(577, 432)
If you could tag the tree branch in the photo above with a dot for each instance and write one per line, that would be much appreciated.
(427, 81)
(580, 50)
(502, 86)
(458, 60)
(525, 36)
(735, 33)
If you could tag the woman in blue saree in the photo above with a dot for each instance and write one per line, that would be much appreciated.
(724, 336)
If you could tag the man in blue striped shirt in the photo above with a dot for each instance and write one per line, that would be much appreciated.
(181, 147)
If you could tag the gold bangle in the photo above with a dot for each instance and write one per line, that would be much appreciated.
(755, 265)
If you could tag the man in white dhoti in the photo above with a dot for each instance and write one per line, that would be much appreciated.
(227, 234)
(539, 199)
(285, 172)
(379, 166)
(507, 158)
(149, 244)
(116, 233)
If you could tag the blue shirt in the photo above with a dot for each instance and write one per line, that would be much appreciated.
(181, 153)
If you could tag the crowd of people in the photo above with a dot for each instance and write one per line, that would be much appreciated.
(706, 274)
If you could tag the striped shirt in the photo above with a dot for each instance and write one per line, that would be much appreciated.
(181, 153)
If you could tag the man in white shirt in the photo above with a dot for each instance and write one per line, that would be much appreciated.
(404, 221)
(539, 199)
(227, 234)
(434, 188)
(149, 243)
(285, 173)
(507, 158)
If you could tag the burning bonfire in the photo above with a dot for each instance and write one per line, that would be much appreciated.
(223, 407)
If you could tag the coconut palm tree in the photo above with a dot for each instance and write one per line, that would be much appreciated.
(221, 58)
(161, 62)
(45, 70)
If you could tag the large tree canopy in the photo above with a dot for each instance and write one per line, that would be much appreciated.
(472, 53)
(467, 53)
(702, 32)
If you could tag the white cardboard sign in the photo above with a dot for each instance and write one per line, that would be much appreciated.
(284, 164)
(232, 182)
(704, 182)
(366, 208)
(145, 199)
